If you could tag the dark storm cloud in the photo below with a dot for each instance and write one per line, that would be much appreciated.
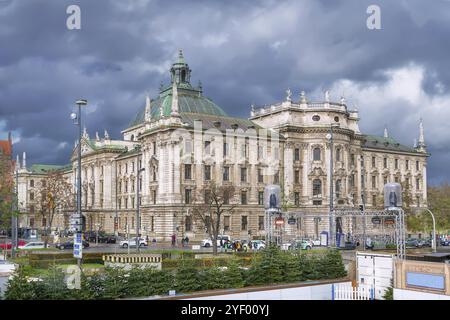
(243, 52)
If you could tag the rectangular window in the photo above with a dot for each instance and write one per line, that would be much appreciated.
(260, 176)
(396, 163)
(260, 198)
(385, 180)
(207, 147)
(374, 200)
(226, 223)
(260, 222)
(207, 196)
(297, 176)
(132, 167)
(244, 197)
(154, 196)
(187, 196)
(276, 178)
(187, 172)
(373, 162)
(119, 203)
(31, 196)
(188, 223)
(417, 166)
(207, 173)
(374, 182)
(352, 159)
(243, 174)
(225, 149)
(385, 162)
(296, 154)
(31, 183)
(297, 198)
(407, 164)
(226, 173)
(244, 223)
(188, 146)
(352, 180)
(260, 152)
(396, 179)
(154, 148)
(418, 184)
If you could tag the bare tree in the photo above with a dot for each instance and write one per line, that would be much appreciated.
(55, 196)
(210, 203)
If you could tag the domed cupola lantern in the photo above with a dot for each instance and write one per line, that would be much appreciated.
(180, 72)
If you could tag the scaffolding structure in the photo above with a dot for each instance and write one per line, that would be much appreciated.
(398, 213)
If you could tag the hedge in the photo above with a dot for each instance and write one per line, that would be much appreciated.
(270, 266)
(44, 260)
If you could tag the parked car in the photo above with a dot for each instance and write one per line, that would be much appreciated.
(69, 245)
(34, 245)
(412, 243)
(7, 246)
(208, 242)
(445, 242)
(348, 245)
(258, 244)
(132, 243)
(91, 236)
(300, 244)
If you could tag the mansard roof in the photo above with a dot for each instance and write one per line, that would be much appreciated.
(383, 143)
(46, 168)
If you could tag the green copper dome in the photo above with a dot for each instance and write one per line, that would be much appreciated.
(190, 99)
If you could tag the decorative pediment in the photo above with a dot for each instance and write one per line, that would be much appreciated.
(317, 172)
(340, 172)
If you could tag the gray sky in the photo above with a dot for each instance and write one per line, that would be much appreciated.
(243, 52)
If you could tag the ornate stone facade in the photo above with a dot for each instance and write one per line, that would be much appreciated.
(183, 141)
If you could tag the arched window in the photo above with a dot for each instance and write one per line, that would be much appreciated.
(338, 154)
(317, 187)
(316, 154)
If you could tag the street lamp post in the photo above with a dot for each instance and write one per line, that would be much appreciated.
(80, 103)
(433, 243)
(138, 195)
(330, 215)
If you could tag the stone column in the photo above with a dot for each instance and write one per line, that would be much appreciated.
(288, 170)
(306, 169)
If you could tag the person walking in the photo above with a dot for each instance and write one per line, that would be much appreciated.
(174, 239)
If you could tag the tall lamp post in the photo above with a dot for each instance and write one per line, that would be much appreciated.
(77, 117)
(329, 136)
(433, 243)
(138, 195)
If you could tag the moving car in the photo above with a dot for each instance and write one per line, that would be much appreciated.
(34, 245)
(208, 242)
(132, 243)
(69, 245)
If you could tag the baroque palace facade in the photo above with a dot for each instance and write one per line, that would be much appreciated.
(183, 141)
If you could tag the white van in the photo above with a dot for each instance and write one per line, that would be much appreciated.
(208, 242)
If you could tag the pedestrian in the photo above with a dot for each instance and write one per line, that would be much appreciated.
(221, 243)
(174, 239)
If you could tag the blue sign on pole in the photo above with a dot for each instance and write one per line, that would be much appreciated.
(78, 246)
